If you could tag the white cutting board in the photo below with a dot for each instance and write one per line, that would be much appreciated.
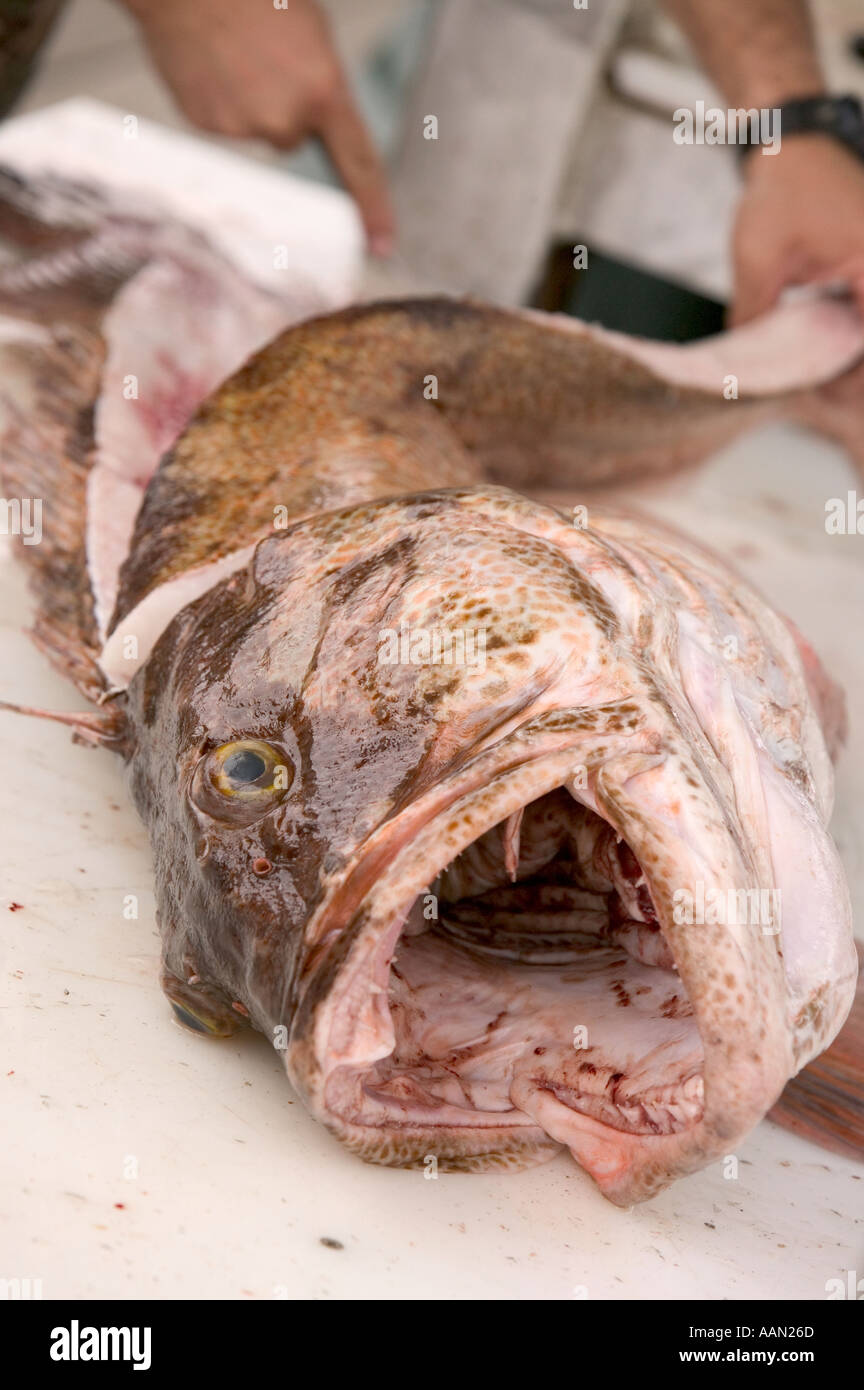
(142, 1160)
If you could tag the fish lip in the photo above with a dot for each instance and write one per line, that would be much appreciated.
(740, 1082)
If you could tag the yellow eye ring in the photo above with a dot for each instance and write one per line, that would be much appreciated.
(241, 780)
(247, 768)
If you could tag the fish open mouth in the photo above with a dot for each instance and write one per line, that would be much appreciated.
(525, 996)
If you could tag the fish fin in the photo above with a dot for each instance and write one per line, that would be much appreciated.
(78, 252)
(444, 392)
(112, 288)
(105, 729)
(46, 456)
(825, 1101)
(37, 214)
(52, 355)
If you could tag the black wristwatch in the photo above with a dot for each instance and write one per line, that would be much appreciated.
(840, 117)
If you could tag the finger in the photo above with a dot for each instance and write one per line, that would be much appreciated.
(848, 275)
(361, 170)
(758, 283)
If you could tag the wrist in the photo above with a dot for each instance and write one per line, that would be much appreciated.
(812, 126)
(767, 95)
(797, 150)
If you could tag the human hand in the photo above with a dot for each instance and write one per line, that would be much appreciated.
(800, 221)
(254, 70)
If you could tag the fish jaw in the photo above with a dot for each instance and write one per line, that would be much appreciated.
(605, 723)
(679, 1063)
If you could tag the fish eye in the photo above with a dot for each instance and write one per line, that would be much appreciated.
(241, 780)
(244, 765)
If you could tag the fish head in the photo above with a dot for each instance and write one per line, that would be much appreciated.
(441, 796)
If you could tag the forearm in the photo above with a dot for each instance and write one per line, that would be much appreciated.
(760, 53)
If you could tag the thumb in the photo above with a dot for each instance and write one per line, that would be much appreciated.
(758, 277)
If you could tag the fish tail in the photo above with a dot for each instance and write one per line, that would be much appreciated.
(547, 401)
(543, 400)
(412, 395)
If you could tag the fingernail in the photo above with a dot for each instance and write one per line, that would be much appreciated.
(381, 244)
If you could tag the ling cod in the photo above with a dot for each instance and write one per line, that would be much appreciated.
(508, 820)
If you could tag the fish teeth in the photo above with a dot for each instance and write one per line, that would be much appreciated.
(512, 838)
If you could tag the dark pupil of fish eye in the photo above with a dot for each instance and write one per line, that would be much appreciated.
(244, 766)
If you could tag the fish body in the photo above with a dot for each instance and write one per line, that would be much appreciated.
(505, 824)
